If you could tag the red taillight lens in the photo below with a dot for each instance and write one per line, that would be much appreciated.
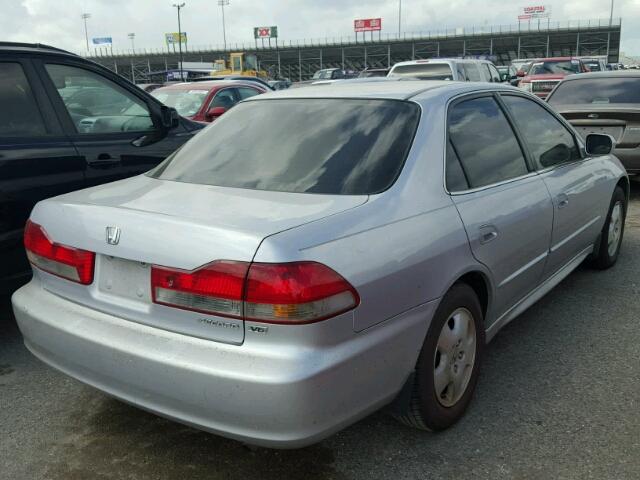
(66, 262)
(298, 292)
(216, 288)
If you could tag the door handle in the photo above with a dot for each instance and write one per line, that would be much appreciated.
(102, 160)
(488, 233)
(563, 200)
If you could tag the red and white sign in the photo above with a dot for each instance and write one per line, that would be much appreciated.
(367, 25)
(534, 11)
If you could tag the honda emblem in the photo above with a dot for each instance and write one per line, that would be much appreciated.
(113, 235)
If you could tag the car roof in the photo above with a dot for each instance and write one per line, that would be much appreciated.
(605, 74)
(439, 60)
(554, 59)
(33, 48)
(207, 85)
(388, 89)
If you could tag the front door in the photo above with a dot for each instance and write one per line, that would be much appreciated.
(580, 194)
(111, 128)
(504, 206)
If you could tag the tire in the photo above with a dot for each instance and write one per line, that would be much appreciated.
(611, 236)
(433, 408)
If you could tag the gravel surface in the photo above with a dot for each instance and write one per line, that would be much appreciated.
(559, 397)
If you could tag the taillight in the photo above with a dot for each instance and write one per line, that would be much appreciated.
(298, 292)
(67, 262)
(215, 288)
(290, 293)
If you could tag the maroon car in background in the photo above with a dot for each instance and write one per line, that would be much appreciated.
(545, 73)
(206, 101)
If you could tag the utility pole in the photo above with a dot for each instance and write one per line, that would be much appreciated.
(222, 4)
(85, 17)
(132, 37)
(611, 15)
(399, 18)
(180, 6)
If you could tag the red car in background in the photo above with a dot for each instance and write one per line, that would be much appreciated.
(545, 73)
(205, 101)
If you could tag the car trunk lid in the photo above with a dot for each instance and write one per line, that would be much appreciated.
(621, 121)
(171, 224)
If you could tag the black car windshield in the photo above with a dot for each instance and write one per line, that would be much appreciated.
(327, 146)
(424, 71)
(186, 102)
(562, 67)
(603, 90)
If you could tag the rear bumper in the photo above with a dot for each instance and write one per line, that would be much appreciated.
(283, 397)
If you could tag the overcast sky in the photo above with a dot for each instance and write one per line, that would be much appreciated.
(58, 23)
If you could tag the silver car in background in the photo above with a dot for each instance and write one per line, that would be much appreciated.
(317, 254)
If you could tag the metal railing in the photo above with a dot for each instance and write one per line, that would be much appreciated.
(528, 27)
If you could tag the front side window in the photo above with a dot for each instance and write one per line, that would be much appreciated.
(186, 102)
(20, 114)
(493, 73)
(224, 98)
(424, 71)
(324, 146)
(549, 140)
(246, 92)
(484, 142)
(96, 104)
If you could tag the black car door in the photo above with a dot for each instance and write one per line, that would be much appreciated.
(109, 122)
(37, 161)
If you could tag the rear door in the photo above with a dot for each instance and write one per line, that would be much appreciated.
(37, 161)
(578, 191)
(111, 127)
(504, 205)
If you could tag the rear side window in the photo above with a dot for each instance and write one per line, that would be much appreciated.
(247, 92)
(484, 143)
(549, 140)
(471, 72)
(20, 114)
(598, 91)
(328, 146)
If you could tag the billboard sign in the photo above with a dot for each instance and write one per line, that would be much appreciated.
(265, 32)
(174, 38)
(102, 41)
(535, 11)
(367, 25)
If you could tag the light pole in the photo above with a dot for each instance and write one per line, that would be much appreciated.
(85, 17)
(399, 18)
(611, 15)
(179, 6)
(132, 37)
(222, 4)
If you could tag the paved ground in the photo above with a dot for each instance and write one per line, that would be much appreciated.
(559, 397)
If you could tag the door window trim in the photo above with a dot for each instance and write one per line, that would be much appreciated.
(555, 115)
(452, 102)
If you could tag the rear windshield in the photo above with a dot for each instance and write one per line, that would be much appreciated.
(597, 91)
(562, 67)
(186, 102)
(328, 146)
(424, 71)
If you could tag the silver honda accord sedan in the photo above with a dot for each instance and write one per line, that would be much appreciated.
(317, 254)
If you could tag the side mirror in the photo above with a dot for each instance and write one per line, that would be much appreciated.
(215, 112)
(170, 117)
(598, 144)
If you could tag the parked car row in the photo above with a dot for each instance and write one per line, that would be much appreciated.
(272, 280)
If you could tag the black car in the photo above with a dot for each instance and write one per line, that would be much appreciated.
(67, 123)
